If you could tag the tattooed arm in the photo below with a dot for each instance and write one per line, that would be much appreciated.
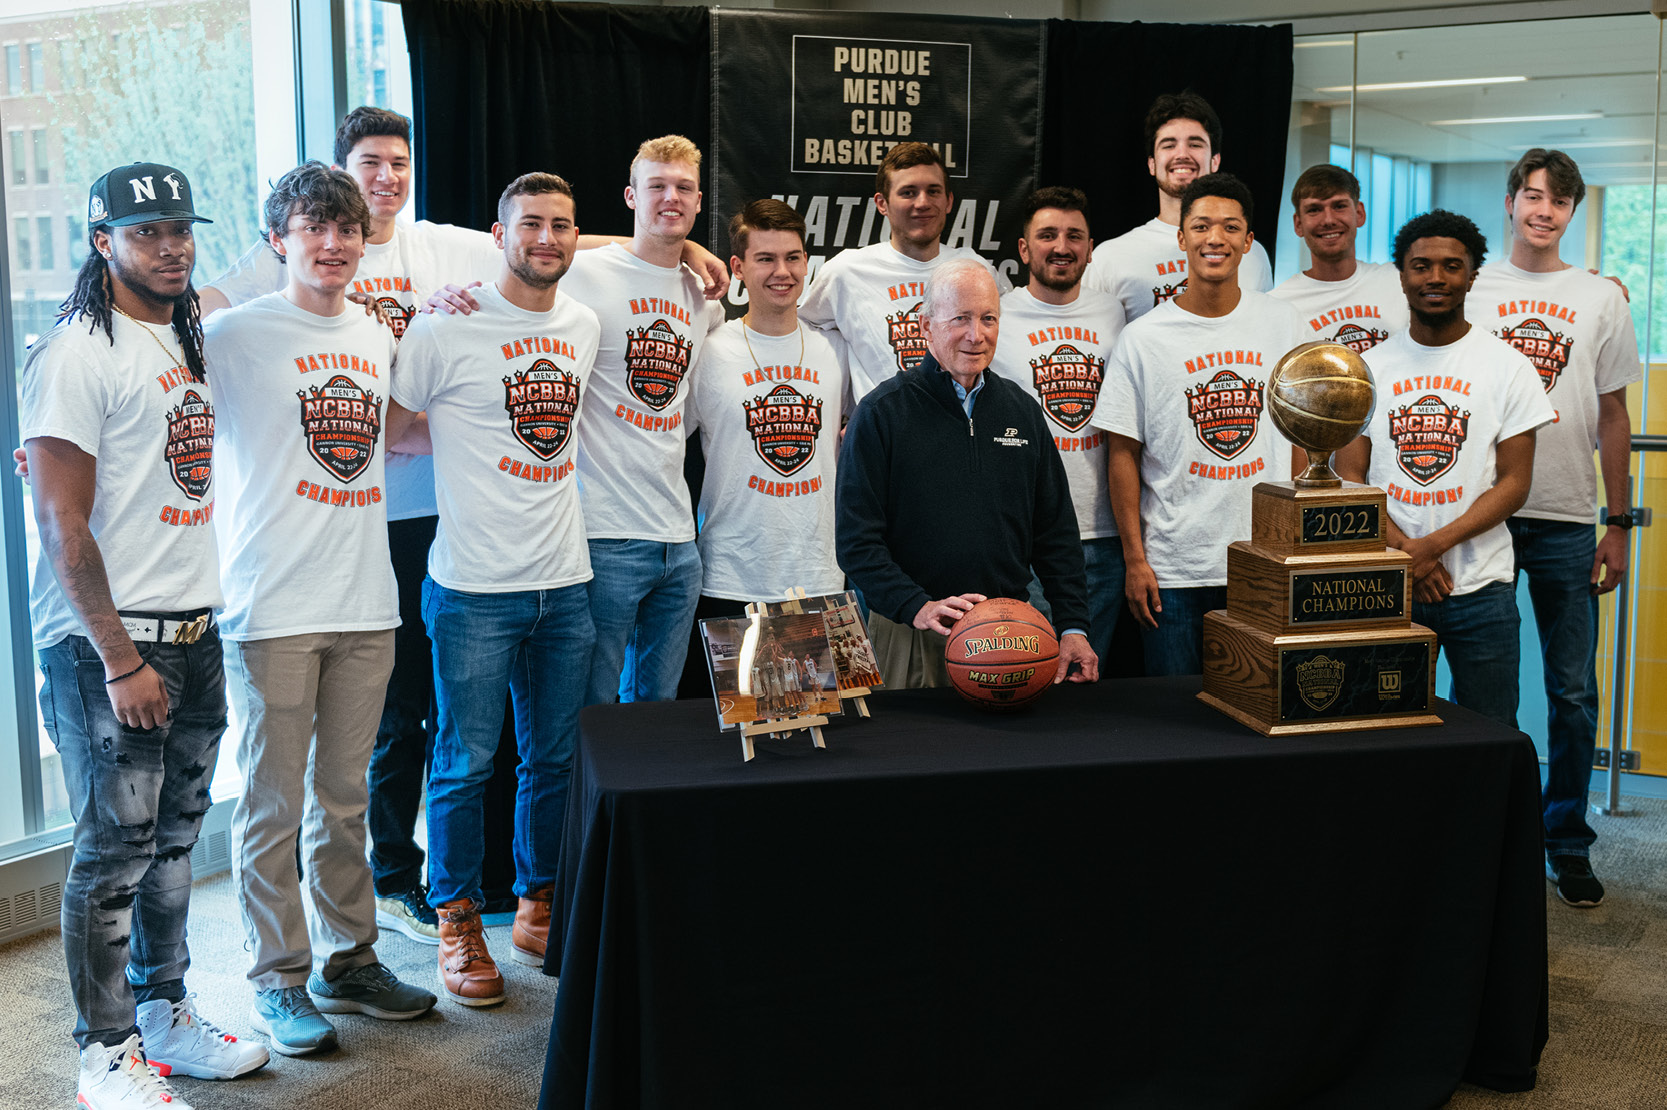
(64, 478)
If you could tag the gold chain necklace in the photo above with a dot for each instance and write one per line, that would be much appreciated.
(755, 363)
(177, 360)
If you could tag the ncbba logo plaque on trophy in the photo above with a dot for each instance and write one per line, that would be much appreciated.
(1317, 634)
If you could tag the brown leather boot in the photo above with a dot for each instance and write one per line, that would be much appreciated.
(466, 968)
(531, 935)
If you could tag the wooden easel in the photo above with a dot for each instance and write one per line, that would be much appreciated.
(785, 725)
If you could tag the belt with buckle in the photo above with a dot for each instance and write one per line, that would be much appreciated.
(155, 628)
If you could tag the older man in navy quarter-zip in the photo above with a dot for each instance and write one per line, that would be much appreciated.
(950, 490)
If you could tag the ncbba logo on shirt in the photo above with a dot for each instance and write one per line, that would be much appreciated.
(1548, 350)
(656, 359)
(903, 332)
(342, 423)
(1359, 338)
(1068, 383)
(541, 401)
(1226, 411)
(190, 449)
(1428, 435)
(784, 425)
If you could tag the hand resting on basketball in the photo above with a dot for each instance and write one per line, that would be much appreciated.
(938, 616)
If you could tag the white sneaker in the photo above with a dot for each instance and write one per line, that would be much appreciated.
(120, 1078)
(179, 1041)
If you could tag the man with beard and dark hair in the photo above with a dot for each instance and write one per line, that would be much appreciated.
(1143, 267)
(301, 380)
(1452, 444)
(1056, 336)
(506, 599)
(117, 424)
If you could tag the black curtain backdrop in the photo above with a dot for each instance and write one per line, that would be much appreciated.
(1101, 78)
(505, 87)
(508, 86)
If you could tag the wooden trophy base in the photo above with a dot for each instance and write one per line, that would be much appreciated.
(1282, 683)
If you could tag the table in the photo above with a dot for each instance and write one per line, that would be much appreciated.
(1116, 898)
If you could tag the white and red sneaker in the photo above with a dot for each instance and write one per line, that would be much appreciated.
(118, 1077)
(180, 1041)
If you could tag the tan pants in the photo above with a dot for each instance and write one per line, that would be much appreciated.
(308, 707)
(909, 658)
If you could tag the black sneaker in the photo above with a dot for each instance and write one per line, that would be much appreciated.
(1576, 884)
(409, 912)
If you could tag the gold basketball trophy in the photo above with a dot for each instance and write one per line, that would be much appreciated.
(1317, 634)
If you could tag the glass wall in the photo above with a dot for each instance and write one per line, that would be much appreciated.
(1435, 117)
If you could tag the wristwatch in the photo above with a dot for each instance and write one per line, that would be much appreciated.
(1619, 520)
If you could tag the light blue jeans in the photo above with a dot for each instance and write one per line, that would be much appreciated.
(642, 602)
(535, 644)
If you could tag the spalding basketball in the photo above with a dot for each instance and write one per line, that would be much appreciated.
(1002, 654)
(1321, 395)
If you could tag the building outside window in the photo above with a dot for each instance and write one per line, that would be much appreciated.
(43, 165)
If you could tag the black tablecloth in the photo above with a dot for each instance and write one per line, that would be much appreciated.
(1115, 898)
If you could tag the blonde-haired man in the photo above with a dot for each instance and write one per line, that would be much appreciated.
(636, 505)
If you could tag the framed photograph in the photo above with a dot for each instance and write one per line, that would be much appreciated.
(770, 668)
(855, 667)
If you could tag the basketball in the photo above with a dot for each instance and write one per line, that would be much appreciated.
(1002, 654)
(1321, 395)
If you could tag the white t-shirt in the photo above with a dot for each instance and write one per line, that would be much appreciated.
(1057, 354)
(770, 432)
(303, 528)
(872, 295)
(401, 274)
(1435, 434)
(503, 389)
(654, 323)
(151, 429)
(1145, 266)
(1576, 329)
(1192, 390)
(1359, 312)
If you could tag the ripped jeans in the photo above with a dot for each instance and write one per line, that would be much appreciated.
(139, 797)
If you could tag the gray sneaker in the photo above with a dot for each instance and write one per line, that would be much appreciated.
(291, 1022)
(371, 989)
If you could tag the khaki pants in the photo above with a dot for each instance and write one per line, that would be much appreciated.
(909, 658)
(308, 708)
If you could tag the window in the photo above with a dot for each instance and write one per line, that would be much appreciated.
(44, 255)
(118, 99)
(23, 252)
(75, 235)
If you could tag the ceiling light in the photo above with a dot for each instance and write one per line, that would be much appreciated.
(1451, 82)
(1584, 145)
(1324, 42)
(1512, 119)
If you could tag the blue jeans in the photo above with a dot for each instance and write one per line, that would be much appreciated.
(139, 797)
(1176, 645)
(1478, 633)
(535, 645)
(1557, 557)
(642, 602)
(1103, 561)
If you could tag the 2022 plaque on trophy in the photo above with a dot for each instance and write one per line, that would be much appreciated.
(1317, 634)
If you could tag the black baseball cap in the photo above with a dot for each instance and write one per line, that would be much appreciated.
(142, 193)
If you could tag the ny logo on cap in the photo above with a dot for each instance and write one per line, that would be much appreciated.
(144, 190)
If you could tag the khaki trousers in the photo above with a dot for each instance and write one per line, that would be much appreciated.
(308, 708)
(909, 658)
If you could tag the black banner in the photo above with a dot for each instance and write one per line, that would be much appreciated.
(857, 85)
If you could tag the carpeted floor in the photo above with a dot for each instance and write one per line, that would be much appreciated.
(1608, 1047)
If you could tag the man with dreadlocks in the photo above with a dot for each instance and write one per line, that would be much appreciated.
(118, 425)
